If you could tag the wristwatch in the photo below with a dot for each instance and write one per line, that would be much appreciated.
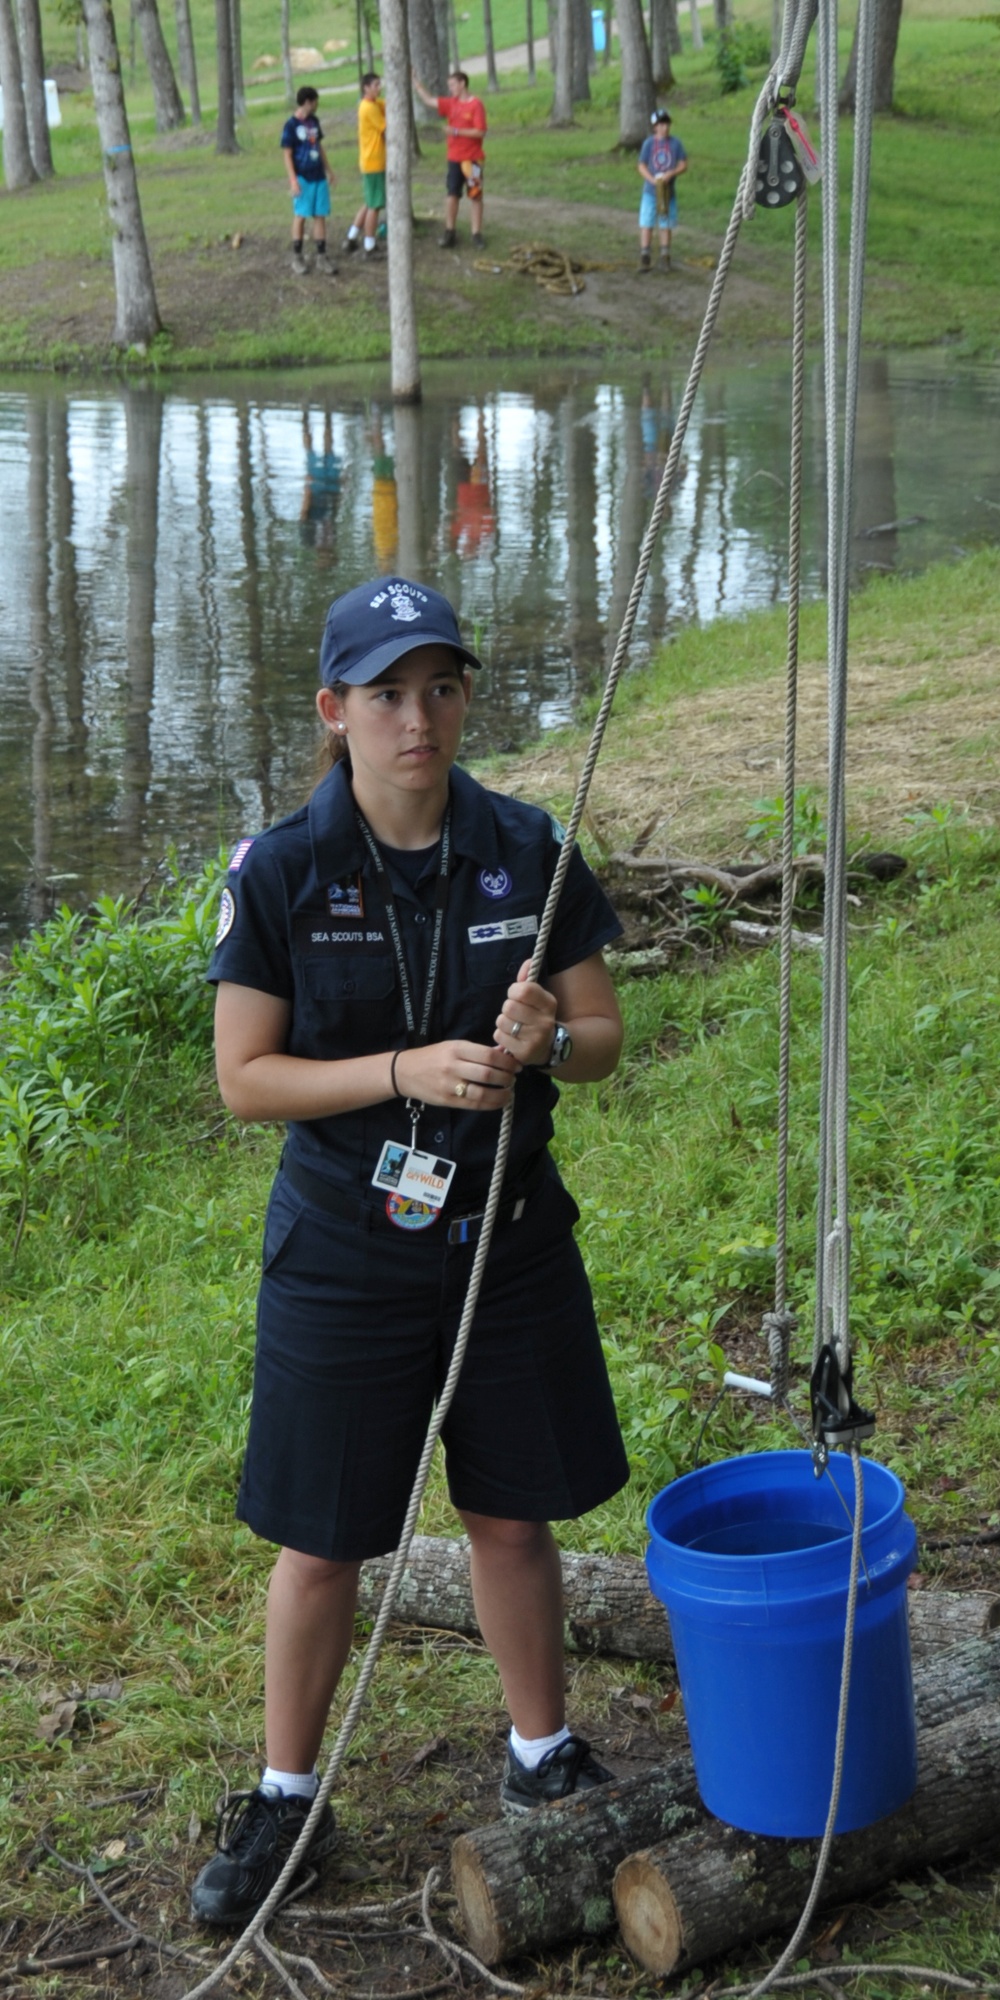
(562, 1047)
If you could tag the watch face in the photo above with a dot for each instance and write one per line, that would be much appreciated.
(562, 1047)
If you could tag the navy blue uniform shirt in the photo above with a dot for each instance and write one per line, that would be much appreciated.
(303, 918)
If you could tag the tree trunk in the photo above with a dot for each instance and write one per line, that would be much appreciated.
(529, 36)
(429, 61)
(583, 49)
(33, 69)
(166, 96)
(492, 79)
(697, 38)
(562, 101)
(186, 61)
(608, 1604)
(19, 170)
(405, 354)
(286, 53)
(723, 12)
(637, 92)
(239, 87)
(137, 320)
(712, 1889)
(659, 39)
(525, 1885)
(887, 19)
(225, 130)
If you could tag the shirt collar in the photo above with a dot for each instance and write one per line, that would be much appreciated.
(337, 845)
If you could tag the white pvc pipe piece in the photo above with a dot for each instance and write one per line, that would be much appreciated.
(747, 1382)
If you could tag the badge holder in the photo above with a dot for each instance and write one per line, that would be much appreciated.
(415, 1183)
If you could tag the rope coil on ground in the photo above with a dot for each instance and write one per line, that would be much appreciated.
(555, 270)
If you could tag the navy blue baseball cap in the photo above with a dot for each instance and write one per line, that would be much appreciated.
(370, 627)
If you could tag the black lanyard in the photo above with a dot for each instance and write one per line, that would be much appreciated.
(416, 1038)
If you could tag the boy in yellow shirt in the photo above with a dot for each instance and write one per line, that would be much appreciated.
(371, 160)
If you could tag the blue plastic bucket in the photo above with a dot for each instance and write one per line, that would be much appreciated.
(597, 28)
(752, 1559)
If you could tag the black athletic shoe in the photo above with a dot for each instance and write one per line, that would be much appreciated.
(478, 243)
(447, 241)
(567, 1769)
(253, 1839)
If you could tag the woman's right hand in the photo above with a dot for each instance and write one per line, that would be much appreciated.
(463, 1076)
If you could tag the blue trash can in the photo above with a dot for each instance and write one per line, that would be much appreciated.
(752, 1559)
(597, 26)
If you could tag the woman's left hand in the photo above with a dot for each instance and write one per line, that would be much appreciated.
(526, 1022)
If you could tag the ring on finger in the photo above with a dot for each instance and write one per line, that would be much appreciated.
(461, 1090)
(515, 1029)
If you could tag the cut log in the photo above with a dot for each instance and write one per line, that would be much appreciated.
(523, 1885)
(712, 1888)
(609, 1607)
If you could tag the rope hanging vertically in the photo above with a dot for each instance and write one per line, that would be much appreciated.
(742, 206)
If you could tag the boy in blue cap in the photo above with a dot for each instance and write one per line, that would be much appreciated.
(662, 160)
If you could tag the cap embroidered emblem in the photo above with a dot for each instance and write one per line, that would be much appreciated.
(403, 606)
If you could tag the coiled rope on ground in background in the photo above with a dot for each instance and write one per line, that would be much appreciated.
(555, 270)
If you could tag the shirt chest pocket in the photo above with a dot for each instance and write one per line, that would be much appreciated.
(496, 962)
(345, 1002)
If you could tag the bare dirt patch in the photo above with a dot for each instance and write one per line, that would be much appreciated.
(920, 733)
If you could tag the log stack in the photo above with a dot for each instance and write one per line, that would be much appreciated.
(647, 1850)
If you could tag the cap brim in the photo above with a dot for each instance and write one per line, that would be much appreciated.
(384, 656)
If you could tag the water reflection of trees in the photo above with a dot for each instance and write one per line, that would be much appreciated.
(177, 560)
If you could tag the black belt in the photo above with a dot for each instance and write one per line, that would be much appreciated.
(461, 1228)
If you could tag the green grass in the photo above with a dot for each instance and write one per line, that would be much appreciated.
(934, 236)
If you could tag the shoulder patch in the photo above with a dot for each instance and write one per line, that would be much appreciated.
(558, 829)
(227, 916)
(239, 855)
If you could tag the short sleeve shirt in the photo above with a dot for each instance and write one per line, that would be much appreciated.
(469, 113)
(303, 137)
(661, 155)
(303, 918)
(371, 136)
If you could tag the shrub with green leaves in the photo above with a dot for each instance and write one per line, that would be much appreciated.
(87, 1000)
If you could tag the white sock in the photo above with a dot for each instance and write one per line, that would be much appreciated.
(369, 242)
(293, 1784)
(353, 233)
(529, 1750)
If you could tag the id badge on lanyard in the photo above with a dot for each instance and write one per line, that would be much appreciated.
(415, 1183)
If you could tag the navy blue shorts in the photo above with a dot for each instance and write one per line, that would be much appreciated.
(355, 1331)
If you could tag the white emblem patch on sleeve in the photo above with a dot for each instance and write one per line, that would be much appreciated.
(227, 916)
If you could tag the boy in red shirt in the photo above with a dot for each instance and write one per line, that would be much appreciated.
(466, 118)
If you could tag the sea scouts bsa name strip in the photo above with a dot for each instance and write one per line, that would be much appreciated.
(506, 927)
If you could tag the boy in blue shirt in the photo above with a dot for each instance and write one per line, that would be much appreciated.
(661, 162)
(309, 177)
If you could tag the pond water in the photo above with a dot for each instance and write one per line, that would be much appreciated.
(167, 556)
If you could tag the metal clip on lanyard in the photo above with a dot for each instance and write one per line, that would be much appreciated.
(416, 1037)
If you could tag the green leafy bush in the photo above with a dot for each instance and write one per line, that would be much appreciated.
(85, 1002)
(738, 50)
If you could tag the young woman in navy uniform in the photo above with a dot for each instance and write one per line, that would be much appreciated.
(372, 968)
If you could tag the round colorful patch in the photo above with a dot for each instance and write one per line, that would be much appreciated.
(406, 1213)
